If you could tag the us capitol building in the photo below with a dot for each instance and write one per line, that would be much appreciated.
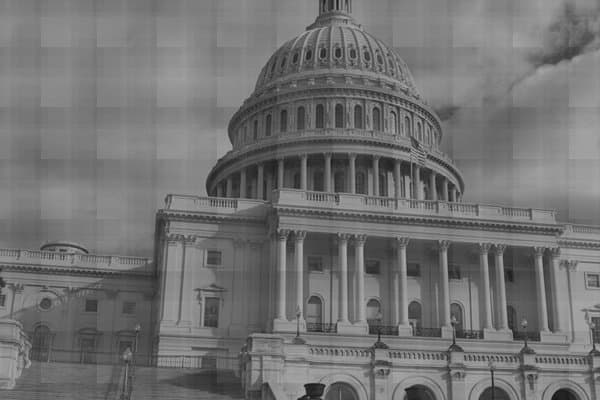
(335, 247)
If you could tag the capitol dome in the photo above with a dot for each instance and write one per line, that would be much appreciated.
(336, 110)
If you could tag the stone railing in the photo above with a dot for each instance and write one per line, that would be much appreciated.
(14, 352)
(220, 205)
(483, 359)
(75, 260)
(332, 351)
(344, 201)
(589, 232)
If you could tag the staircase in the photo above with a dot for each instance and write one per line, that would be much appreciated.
(70, 381)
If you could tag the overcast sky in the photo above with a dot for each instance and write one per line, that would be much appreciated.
(108, 105)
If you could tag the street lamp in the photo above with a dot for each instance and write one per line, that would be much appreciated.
(379, 344)
(526, 349)
(492, 366)
(298, 339)
(454, 346)
(127, 357)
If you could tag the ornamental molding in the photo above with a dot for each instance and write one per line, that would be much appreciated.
(73, 270)
(432, 221)
(186, 216)
(579, 244)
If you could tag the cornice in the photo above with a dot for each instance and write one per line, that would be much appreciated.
(73, 270)
(579, 244)
(203, 216)
(422, 220)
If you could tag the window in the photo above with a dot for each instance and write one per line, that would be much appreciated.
(255, 130)
(2, 300)
(300, 118)
(314, 312)
(372, 267)
(453, 271)
(297, 180)
(414, 314)
(596, 331)
(373, 310)
(315, 263)
(393, 123)
(361, 183)
(45, 304)
(341, 391)
(407, 127)
(358, 117)
(91, 305)
(338, 182)
(128, 307)
(283, 121)
(352, 53)
(268, 125)
(308, 55)
(318, 181)
(295, 58)
(413, 269)
(419, 132)
(320, 117)
(323, 53)
(383, 187)
(214, 258)
(376, 119)
(592, 281)
(211, 312)
(457, 312)
(367, 55)
(339, 116)
(337, 53)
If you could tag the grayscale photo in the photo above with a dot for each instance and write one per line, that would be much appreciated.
(300, 199)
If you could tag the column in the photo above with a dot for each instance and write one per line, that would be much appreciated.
(187, 289)
(397, 179)
(304, 172)
(280, 172)
(282, 235)
(502, 323)
(445, 286)
(352, 161)
(557, 294)
(453, 194)
(485, 295)
(417, 195)
(299, 254)
(327, 172)
(407, 193)
(343, 265)
(402, 243)
(376, 176)
(432, 188)
(445, 189)
(243, 184)
(173, 260)
(540, 288)
(229, 186)
(260, 178)
(359, 259)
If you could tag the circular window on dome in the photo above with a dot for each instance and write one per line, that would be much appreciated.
(45, 303)
(323, 53)
(308, 55)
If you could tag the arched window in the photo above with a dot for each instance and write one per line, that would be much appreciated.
(564, 394)
(339, 116)
(419, 132)
(255, 130)
(457, 312)
(297, 180)
(283, 121)
(419, 392)
(314, 314)
(499, 394)
(383, 187)
(376, 119)
(407, 131)
(373, 311)
(318, 181)
(512, 317)
(414, 314)
(268, 125)
(338, 182)
(41, 343)
(320, 117)
(340, 391)
(358, 117)
(300, 118)
(393, 123)
(361, 183)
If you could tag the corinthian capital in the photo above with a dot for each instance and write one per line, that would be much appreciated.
(484, 248)
(343, 237)
(539, 251)
(555, 252)
(499, 249)
(299, 236)
(402, 242)
(282, 234)
(359, 240)
(443, 245)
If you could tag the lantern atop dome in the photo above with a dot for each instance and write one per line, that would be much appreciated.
(334, 11)
(327, 6)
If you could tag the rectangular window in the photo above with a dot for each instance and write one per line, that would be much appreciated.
(91, 305)
(372, 267)
(211, 312)
(509, 275)
(596, 331)
(128, 307)
(453, 271)
(315, 263)
(214, 258)
(413, 269)
(592, 281)
(2, 300)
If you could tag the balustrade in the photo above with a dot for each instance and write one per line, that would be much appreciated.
(321, 327)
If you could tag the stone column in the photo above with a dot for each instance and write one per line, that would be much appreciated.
(397, 178)
(376, 176)
(299, 253)
(343, 266)
(359, 259)
(352, 161)
(229, 186)
(304, 172)
(486, 322)
(445, 189)
(502, 323)
(558, 290)
(186, 294)
(540, 289)
(328, 172)
(280, 172)
(432, 187)
(260, 178)
(282, 236)
(404, 328)
(173, 263)
(243, 184)
(407, 192)
(443, 246)
(417, 195)
(453, 194)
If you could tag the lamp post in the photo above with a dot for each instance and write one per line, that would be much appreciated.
(127, 356)
(298, 339)
(492, 366)
(379, 344)
(453, 322)
(526, 349)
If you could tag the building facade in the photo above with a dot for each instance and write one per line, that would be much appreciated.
(336, 219)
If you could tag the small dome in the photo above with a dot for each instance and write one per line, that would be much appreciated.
(336, 44)
(62, 246)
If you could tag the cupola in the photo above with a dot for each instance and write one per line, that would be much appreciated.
(327, 6)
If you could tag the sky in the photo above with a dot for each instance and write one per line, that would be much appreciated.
(106, 106)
